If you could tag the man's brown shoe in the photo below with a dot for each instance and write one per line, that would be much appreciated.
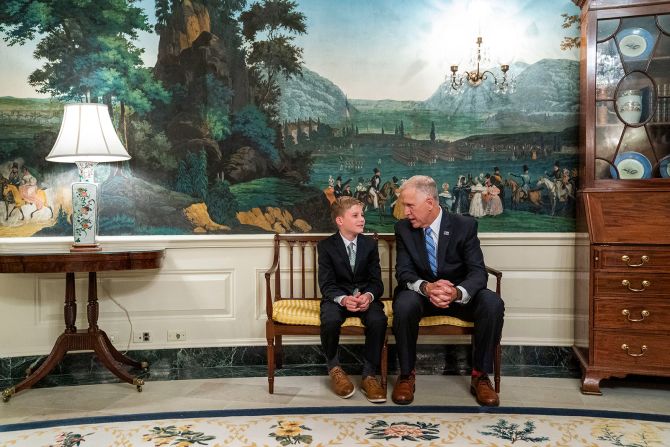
(481, 388)
(373, 390)
(340, 383)
(403, 391)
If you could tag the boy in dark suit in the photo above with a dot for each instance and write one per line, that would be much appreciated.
(351, 285)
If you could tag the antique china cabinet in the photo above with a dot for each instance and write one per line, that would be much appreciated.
(622, 323)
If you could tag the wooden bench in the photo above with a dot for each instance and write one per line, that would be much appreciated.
(293, 300)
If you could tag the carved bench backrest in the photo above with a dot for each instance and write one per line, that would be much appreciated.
(296, 259)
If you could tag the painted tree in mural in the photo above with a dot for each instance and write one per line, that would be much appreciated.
(570, 42)
(269, 58)
(276, 55)
(86, 58)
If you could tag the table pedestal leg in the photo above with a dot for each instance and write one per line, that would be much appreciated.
(92, 339)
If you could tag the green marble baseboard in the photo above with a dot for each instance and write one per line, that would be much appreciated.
(249, 361)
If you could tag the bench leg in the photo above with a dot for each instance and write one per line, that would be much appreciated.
(385, 363)
(279, 352)
(271, 365)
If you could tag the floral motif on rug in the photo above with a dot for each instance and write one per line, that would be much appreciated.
(291, 433)
(172, 435)
(405, 431)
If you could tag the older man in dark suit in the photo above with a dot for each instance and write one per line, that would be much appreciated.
(351, 285)
(440, 271)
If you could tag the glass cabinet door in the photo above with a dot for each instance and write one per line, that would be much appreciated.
(632, 115)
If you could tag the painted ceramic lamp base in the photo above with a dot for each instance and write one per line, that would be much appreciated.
(84, 216)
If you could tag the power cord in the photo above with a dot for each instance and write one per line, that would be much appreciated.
(130, 336)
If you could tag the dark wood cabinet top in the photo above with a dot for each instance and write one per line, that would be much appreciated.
(80, 261)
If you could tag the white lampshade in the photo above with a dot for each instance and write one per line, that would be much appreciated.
(87, 134)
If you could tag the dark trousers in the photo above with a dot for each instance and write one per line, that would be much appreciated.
(486, 310)
(374, 319)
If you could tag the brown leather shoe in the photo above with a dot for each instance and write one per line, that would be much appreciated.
(481, 388)
(340, 383)
(403, 391)
(373, 390)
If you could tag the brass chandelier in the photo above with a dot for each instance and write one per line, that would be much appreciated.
(503, 85)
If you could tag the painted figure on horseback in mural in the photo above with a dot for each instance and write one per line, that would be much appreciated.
(268, 139)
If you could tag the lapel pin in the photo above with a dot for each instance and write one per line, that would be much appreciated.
(446, 233)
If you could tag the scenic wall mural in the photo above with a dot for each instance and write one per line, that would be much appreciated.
(251, 117)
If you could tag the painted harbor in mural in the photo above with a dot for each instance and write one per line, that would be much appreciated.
(248, 117)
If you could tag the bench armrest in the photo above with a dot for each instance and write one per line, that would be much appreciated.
(273, 270)
(494, 272)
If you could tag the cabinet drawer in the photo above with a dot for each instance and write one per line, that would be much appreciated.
(639, 315)
(632, 284)
(636, 258)
(625, 350)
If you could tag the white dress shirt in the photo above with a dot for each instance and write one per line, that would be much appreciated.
(347, 242)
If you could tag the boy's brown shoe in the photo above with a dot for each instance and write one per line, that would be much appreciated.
(403, 391)
(373, 390)
(340, 383)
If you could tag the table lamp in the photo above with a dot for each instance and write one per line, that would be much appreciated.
(87, 137)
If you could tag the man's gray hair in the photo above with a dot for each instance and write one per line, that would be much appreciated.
(423, 184)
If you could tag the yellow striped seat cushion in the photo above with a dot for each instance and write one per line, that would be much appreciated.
(306, 313)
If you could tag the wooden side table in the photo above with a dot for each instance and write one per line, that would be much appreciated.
(93, 338)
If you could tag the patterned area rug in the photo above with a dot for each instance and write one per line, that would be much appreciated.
(350, 426)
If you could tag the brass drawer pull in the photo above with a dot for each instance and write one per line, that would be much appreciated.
(643, 260)
(644, 314)
(645, 284)
(643, 349)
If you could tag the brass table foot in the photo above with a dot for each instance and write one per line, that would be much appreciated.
(138, 384)
(7, 393)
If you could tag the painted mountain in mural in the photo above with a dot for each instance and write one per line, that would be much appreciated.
(311, 96)
(547, 86)
(546, 99)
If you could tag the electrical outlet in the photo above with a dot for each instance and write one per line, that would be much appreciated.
(141, 336)
(176, 335)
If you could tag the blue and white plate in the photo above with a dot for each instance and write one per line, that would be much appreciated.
(664, 166)
(631, 166)
(635, 44)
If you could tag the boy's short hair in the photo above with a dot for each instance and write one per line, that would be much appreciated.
(342, 204)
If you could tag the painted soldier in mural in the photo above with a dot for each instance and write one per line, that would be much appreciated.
(14, 176)
(525, 179)
(559, 178)
(346, 189)
(461, 203)
(556, 172)
(337, 189)
(375, 183)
